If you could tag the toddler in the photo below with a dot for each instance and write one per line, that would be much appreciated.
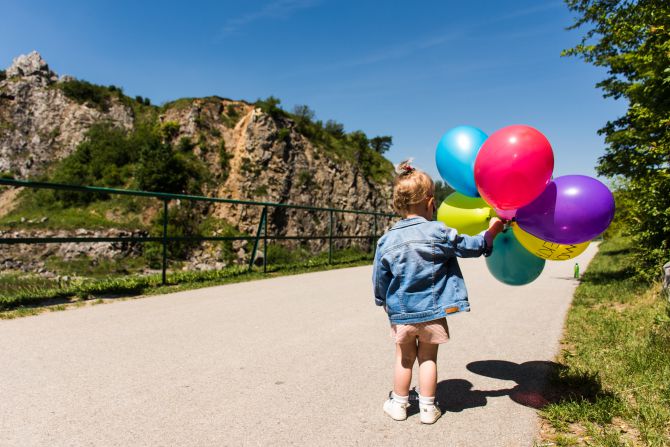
(418, 282)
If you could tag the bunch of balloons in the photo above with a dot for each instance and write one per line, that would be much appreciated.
(509, 174)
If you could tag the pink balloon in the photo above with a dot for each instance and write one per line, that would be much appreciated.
(505, 214)
(513, 167)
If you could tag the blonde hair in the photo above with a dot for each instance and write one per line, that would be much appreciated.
(410, 188)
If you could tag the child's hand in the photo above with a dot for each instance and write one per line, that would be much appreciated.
(495, 226)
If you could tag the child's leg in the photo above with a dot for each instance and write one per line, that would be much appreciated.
(427, 354)
(405, 355)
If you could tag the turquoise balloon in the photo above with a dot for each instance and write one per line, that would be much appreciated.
(455, 158)
(511, 263)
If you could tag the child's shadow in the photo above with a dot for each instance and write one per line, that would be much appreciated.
(455, 395)
(538, 384)
(531, 390)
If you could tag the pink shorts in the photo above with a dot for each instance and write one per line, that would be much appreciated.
(434, 332)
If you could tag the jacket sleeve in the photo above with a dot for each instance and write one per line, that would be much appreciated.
(465, 246)
(381, 277)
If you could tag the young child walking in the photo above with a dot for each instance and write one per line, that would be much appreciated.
(418, 282)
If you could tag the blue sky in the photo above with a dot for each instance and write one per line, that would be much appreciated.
(408, 69)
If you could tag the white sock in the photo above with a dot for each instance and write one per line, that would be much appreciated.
(399, 399)
(424, 400)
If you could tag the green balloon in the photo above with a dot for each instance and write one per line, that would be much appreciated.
(467, 215)
(511, 263)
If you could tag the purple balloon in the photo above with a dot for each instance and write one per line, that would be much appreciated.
(571, 210)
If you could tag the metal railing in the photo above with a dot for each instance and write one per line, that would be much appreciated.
(165, 238)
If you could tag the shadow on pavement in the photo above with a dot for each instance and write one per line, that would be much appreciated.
(538, 384)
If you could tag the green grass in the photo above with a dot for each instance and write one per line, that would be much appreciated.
(116, 212)
(614, 377)
(22, 295)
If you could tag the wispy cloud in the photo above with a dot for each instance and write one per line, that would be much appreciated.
(277, 9)
(404, 49)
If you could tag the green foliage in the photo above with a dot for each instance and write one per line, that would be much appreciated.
(632, 40)
(305, 178)
(83, 92)
(442, 190)
(283, 134)
(3, 75)
(334, 128)
(147, 101)
(303, 113)
(183, 220)
(185, 144)
(169, 130)
(102, 159)
(161, 168)
(230, 116)
(618, 355)
(381, 144)
(270, 105)
(224, 160)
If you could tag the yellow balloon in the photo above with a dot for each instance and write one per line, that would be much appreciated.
(468, 215)
(545, 249)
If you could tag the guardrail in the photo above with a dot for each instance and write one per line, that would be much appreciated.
(165, 238)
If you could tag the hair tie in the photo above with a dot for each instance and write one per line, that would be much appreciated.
(404, 167)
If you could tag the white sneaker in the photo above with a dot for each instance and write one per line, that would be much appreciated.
(396, 410)
(429, 413)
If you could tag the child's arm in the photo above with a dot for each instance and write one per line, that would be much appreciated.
(465, 246)
(381, 276)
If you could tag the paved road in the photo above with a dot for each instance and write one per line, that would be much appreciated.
(299, 360)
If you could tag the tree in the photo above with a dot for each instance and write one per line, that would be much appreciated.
(381, 144)
(442, 190)
(303, 113)
(632, 40)
(334, 128)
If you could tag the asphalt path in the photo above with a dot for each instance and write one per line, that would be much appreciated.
(295, 360)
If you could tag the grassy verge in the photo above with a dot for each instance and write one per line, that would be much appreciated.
(22, 295)
(613, 381)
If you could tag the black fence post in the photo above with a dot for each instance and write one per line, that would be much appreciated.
(330, 239)
(265, 240)
(165, 224)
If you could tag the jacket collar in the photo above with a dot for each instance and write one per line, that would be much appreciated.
(408, 222)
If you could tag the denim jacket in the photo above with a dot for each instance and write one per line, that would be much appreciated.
(416, 275)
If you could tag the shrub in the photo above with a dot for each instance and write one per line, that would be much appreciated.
(160, 168)
(224, 161)
(170, 130)
(334, 128)
(99, 160)
(381, 144)
(3, 75)
(270, 105)
(185, 144)
(283, 134)
(83, 92)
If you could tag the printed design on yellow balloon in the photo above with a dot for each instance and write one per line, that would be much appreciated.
(547, 249)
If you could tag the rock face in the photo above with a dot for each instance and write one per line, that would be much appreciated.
(252, 154)
(38, 123)
(270, 161)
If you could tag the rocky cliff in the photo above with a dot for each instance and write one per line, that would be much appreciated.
(251, 153)
(39, 124)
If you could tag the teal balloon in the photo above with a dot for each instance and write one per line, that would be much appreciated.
(455, 158)
(511, 263)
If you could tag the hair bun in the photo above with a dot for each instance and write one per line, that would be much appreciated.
(405, 167)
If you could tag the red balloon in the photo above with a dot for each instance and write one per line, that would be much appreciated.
(513, 167)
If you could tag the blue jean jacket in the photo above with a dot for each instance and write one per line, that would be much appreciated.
(416, 275)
